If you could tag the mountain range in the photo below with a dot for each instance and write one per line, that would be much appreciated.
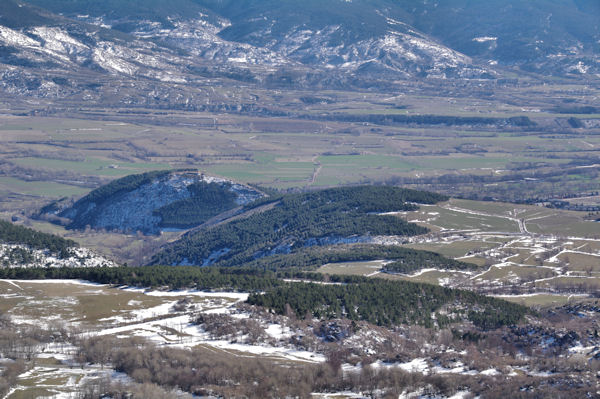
(54, 48)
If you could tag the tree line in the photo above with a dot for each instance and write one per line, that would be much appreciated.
(167, 277)
(450, 120)
(405, 260)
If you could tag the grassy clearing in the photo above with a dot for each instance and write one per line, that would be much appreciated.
(91, 306)
(437, 277)
(539, 300)
(73, 302)
(581, 262)
(455, 249)
(514, 274)
(352, 268)
(565, 223)
(463, 220)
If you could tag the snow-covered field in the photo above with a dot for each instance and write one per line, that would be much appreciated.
(520, 249)
(93, 309)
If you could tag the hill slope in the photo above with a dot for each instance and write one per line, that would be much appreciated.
(23, 247)
(153, 201)
(404, 38)
(295, 223)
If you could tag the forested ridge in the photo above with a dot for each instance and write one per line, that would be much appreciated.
(124, 184)
(299, 220)
(80, 214)
(14, 234)
(377, 301)
(151, 201)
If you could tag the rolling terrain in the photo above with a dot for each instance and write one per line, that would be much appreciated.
(332, 199)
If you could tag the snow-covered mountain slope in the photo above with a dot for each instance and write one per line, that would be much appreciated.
(173, 49)
(401, 52)
(58, 47)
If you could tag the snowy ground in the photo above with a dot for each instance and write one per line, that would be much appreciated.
(95, 309)
(519, 249)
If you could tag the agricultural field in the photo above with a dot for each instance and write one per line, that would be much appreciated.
(47, 158)
(314, 146)
(530, 253)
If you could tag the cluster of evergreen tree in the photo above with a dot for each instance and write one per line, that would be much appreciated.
(387, 303)
(207, 278)
(14, 234)
(406, 260)
(122, 185)
(295, 220)
(576, 109)
(207, 200)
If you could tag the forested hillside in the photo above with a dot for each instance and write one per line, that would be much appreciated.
(153, 201)
(207, 200)
(298, 221)
(14, 234)
(22, 247)
(390, 303)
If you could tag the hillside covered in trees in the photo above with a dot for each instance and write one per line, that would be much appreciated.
(389, 303)
(24, 248)
(15, 234)
(153, 201)
(295, 222)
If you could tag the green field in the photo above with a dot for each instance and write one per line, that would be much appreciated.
(48, 189)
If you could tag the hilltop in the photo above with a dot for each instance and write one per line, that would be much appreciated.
(153, 201)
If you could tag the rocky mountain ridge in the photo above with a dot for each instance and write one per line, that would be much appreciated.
(56, 49)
